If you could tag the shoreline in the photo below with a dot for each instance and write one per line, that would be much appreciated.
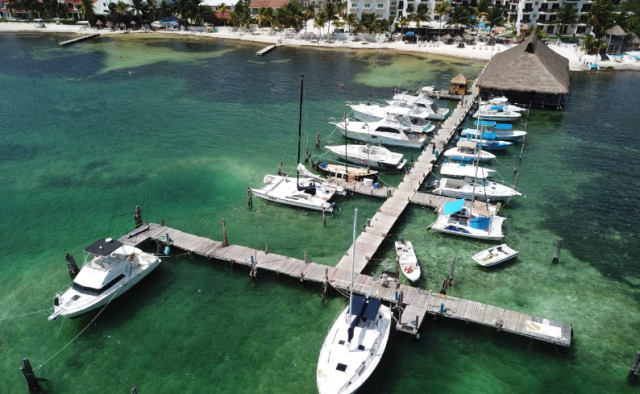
(476, 53)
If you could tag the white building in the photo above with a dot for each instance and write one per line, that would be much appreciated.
(543, 13)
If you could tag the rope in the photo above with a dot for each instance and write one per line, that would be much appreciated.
(24, 314)
(36, 369)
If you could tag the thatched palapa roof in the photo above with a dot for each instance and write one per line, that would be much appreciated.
(460, 79)
(616, 31)
(633, 39)
(528, 67)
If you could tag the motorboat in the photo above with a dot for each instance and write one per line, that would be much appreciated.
(420, 102)
(482, 190)
(502, 135)
(109, 270)
(407, 260)
(456, 219)
(417, 117)
(501, 102)
(303, 192)
(464, 170)
(344, 171)
(384, 132)
(495, 255)
(416, 125)
(466, 150)
(491, 143)
(496, 113)
(355, 343)
(377, 157)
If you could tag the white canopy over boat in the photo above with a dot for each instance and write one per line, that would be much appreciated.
(456, 219)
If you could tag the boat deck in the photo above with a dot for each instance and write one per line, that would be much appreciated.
(416, 302)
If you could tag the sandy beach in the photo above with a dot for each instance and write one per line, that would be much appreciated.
(578, 61)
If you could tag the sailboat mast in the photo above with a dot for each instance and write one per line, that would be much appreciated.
(299, 129)
(346, 150)
(353, 262)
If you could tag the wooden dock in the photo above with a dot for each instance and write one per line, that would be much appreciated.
(75, 40)
(266, 50)
(416, 303)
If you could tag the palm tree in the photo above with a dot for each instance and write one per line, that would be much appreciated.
(352, 21)
(599, 14)
(441, 10)
(495, 17)
(265, 15)
(203, 14)
(460, 16)
(139, 8)
(567, 15)
(320, 20)
(403, 23)
(164, 9)
(342, 8)
(222, 9)
(292, 13)
(332, 13)
(87, 11)
(381, 26)
(421, 14)
(112, 16)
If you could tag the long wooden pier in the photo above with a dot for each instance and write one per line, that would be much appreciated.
(266, 50)
(416, 303)
(75, 40)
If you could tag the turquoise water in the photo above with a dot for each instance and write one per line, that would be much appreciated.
(183, 126)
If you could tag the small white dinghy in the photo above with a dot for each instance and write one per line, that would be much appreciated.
(407, 259)
(495, 255)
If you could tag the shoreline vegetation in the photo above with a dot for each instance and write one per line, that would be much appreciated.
(578, 61)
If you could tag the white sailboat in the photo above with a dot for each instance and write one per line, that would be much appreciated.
(385, 132)
(355, 343)
(496, 113)
(307, 193)
(407, 260)
(467, 150)
(502, 102)
(371, 156)
(464, 170)
(110, 269)
(457, 219)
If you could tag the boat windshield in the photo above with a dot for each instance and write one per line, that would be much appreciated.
(96, 292)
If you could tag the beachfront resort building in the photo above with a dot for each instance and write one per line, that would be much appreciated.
(543, 14)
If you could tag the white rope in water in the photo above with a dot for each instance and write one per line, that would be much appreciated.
(80, 333)
(24, 314)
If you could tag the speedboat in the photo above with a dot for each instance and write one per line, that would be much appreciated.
(503, 133)
(483, 190)
(109, 270)
(421, 102)
(496, 113)
(376, 157)
(456, 219)
(491, 143)
(407, 260)
(384, 132)
(344, 171)
(466, 150)
(501, 102)
(495, 255)
(299, 192)
(464, 170)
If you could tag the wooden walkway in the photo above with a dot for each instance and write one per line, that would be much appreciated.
(416, 302)
(266, 50)
(75, 40)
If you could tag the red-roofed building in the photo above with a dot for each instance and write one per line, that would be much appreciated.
(275, 4)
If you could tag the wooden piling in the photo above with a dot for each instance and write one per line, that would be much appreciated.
(635, 367)
(266, 250)
(515, 164)
(318, 140)
(134, 389)
(249, 197)
(417, 322)
(444, 287)
(29, 375)
(556, 254)
(515, 186)
(224, 234)
(280, 168)
(162, 222)
(137, 217)
(453, 267)
(72, 266)
(397, 265)
(411, 154)
(305, 257)
(324, 217)
(325, 284)
(522, 149)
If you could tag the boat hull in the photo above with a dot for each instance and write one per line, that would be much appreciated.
(379, 139)
(460, 189)
(327, 207)
(494, 256)
(443, 225)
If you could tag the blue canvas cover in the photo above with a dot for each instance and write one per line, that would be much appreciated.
(410, 33)
(453, 206)
(485, 123)
(372, 309)
(358, 308)
(489, 136)
(480, 222)
(503, 126)
(496, 108)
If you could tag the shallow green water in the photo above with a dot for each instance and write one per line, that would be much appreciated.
(184, 126)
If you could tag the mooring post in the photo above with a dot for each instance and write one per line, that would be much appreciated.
(397, 265)
(556, 254)
(411, 153)
(266, 250)
(305, 256)
(134, 389)
(453, 267)
(318, 140)
(324, 218)
(29, 375)
(325, 284)
(162, 222)
(306, 156)
(72, 266)
(635, 367)
(522, 149)
(417, 322)
(515, 186)
(224, 234)
(249, 197)
(137, 216)
(444, 287)
(515, 164)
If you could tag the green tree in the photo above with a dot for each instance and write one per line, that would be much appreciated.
(352, 21)
(87, 11)
(421, 14)
(223, 9)
(139, 8)
(403, 23)
(265, 16)
(342, 8)
(599, 14)
(332, 13)
(495, 17)
(460, 16)
(483, 8)
(320, 20)
(441, 10)
(565, 16)
(203, 14)
(165, 9)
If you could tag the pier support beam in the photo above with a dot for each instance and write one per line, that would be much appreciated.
(30, 376)
(137, 217)
(249, 197)
(453, 267)
(635, 369)
(224, 234)
(556, 254)
(318, 140)
(72, 266)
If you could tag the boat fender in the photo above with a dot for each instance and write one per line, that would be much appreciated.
(324, 198)
(56, 301)
(167, 249)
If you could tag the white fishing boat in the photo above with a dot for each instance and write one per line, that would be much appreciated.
(503, 135)
(464, 170)
(411, 116)
(496, 113)
(407, 260)
(109, 270)
(483, 190)
(384, 132)
(355, 343)
(456, 219)
(502, 102)
(466, 150)
(490, 143)
(495, 255)
(376, 157)
(309, 192)
(420, 102)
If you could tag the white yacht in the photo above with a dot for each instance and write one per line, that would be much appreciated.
(464, 170)
(501, 102)
(376, 157)
(500, 131)
(466, 150)
(420, 102)
(456, 219)
(407, 260)
(384, 132)
(109, 270)
(355, 343)
(496, 113)
(395, 110)
(482, 190)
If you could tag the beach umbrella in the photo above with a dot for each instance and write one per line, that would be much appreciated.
(410, 33)
(99, 23)
(123, 25)
(447, 36)
(457, 38)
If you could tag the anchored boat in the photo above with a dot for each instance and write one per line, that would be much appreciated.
(495, 255)
(407, 260)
